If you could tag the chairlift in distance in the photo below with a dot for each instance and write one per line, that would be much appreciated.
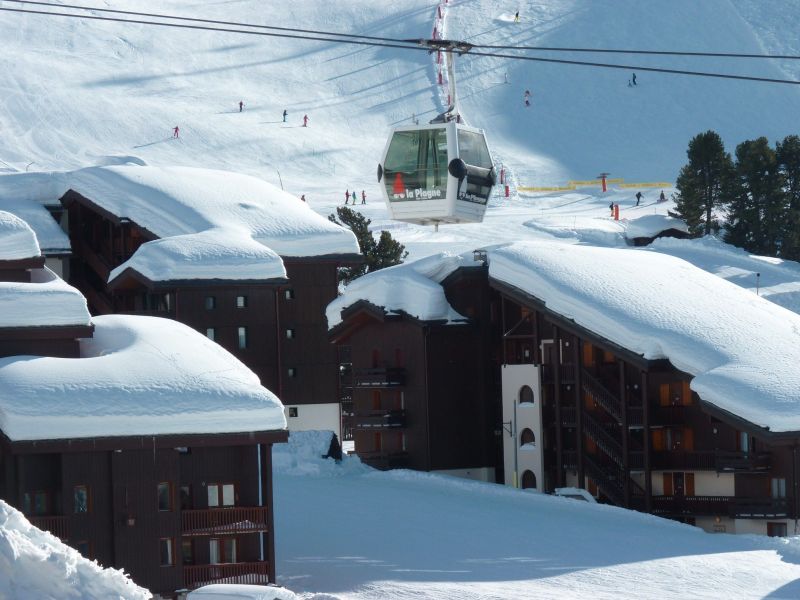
(441, 172)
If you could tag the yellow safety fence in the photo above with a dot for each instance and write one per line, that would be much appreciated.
(572, 185)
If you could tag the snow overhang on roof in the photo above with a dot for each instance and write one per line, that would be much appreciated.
(136, 376)
(217, 222)
(412, 288)
(742, 350)
(651, 225)
(17, 239)
(47, 301)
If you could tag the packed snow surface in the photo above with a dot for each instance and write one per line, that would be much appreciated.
(412, 288)
(36, 565)
(355, 533)
(46, 301)
(17, 239)
(240, 591)
(742, 350)
(136, 376)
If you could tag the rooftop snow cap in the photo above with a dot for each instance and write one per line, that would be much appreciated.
(742, 350)
(215, 221)
(24, 195)
(136, 376)
(412, 288)
(17, 239)
(651, 225)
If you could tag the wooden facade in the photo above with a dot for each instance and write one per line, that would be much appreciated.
(276, 327)
(632, 432)
(423, 393)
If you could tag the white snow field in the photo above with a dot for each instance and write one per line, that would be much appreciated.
(78, 94)
(356, 533)
(37, 565)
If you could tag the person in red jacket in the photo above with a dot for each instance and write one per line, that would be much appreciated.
(363, 197)
(305, 120)
(175, 131)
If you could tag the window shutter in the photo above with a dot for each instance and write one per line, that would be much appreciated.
(667, 484)
(663, 392)
(689, 482)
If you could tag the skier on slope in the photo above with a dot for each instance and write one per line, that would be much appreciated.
(633, 79)
(662, 197)
(285, 113)
(638, 198)
(175, 131)
(516, 17)
(346, 196)
(241, 105)
(363, 197)
(305, 120)
(611, 208)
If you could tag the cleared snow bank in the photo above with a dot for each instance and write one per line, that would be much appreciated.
(742, 349)
(137, 376)
(35, 564)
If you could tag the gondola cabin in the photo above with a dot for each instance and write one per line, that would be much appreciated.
(437, 173)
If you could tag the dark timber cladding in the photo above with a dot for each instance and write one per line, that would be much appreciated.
(422, 391)
(276, 327)
(173, 511)
(631, 430)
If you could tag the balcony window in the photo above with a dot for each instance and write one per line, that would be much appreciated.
(186, 497)
(222, 550)
(291, 372)
(288, 294)
(165, 496)
(776, 529)
(187, 552)
(778, 487)
(166, 553)
(210, 303)
(289, 334)
(41, 503)
(242, 335)
(221, 494)
(241, 301)
(80, 499)
(211, 334)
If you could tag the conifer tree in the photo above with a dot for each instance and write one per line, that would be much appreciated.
(703, 183)
(788, 155)
(756, 211)
(384, 252)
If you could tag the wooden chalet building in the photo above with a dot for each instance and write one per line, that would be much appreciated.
(243, 263)
(578, 387)
(421, 381)
(134, 440)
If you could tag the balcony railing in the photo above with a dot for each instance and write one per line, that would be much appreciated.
(57, 525)
(566, 373)
(603, 438)
(721, 461)
(602, 396)
(218, 521)
(691, 505)
(379, 419)
(569, 416)
(569, 459)
(759, 508)
(379, 377)
(253, 573)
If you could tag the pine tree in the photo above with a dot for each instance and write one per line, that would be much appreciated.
(788, 155)
(377, 254)
(756, 211)
(703, 183)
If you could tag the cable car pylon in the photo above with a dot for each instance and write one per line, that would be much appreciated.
(441, 172)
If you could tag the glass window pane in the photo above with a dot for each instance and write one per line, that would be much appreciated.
(230, 550)
(416, 165)
(187, 552)
(472, 149)
(26, 503)
(241, 301)
(40, 503)
(213, 552)
(164, 497)
(211, 334)
(213, 495)
(165, 551)
(81, 499)
(242, 337)
(211, 302)
(227, 495)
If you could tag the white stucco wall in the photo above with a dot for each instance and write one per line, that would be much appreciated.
(315, 417)
(517, 417)
(478, 473)
(706, 483)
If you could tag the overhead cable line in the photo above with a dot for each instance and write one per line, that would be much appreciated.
(397, 40)
(423, 45)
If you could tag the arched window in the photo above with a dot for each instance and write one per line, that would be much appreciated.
(525, 394)
(527, 438)
(528, 480)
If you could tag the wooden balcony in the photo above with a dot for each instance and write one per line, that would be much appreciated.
(692, 505)
(720, 461)
(57, 525)
(601, 395)
(253, 573)
(569, 416)
(379, 377)
(224, 521)
(669, 415)
(566, 373)
(760, 508)
(380, 419)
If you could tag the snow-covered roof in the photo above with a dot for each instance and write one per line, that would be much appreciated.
(411, 288)
(651, 225)
(136, 376)
(742, 350)
(22, 193)
(17, 239)
(48, 301)
(230, 210)
(36, 564)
